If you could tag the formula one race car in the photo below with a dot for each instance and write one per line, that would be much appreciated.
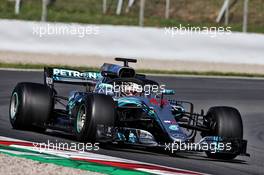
(121, 107)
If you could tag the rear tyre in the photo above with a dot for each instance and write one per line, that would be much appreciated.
(93, 110)
(30, 106)
(225, 122)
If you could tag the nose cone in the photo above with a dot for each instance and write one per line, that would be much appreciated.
(176, 133)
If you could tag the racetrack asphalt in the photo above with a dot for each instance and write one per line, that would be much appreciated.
(247, 95)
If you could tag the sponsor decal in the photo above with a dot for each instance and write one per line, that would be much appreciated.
(157, 102)
(167, 121)
(174, 127)
(173, 122)
(74, 73)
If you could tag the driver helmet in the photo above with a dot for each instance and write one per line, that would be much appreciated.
(131, 89)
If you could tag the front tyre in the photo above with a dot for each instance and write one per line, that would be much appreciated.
(225, 122)
(93, 110)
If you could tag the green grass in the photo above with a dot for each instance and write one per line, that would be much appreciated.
(146, 71)
(41, 66)
(196, 13)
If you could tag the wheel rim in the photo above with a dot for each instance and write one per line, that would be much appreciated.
(81, 117)
(14, 105)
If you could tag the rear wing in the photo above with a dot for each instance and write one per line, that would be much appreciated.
(70, 76)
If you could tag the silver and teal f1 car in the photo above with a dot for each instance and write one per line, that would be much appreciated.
(121, 107)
